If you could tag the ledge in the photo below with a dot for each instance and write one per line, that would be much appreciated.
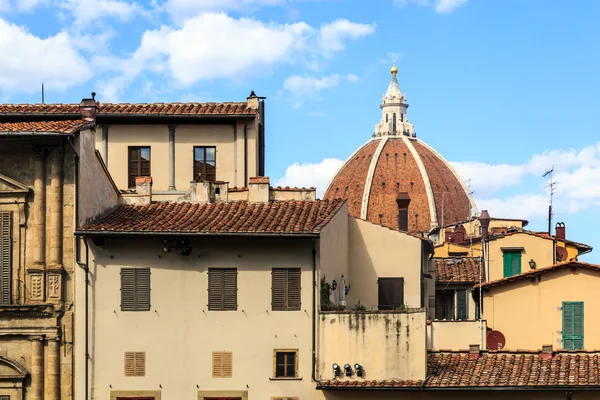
(285, 379)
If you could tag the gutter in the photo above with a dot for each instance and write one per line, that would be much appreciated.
(35, 133)
(162, 234)
(314, 311)
(124, 115)
(246, 154)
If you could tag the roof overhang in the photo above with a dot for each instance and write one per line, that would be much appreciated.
(541, 388)
(135, 234)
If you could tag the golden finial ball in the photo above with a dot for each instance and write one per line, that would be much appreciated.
(394, 70)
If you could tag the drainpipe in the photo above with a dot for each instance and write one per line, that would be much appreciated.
(314, 306)
(86, 268)
(246, 153)
(235, 160)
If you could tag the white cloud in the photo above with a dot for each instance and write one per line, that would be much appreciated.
(303, 85)
(215, 45)
(85, 11)
(28, 5)
(310, 174)
(181, 9)
(57, 62)
(4, 5)
(479, 173)
(440, 6)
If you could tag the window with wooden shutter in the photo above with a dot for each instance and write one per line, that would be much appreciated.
(572, 333)
(138, 163)
(462, 310)
(391, 293)
(5, 257)
(135, 289)
(286, 289)
(135, 363)
(222, 364)
(511, 262)
(222, 289)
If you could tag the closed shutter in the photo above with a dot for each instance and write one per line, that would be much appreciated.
(461, 305)
(516, 263)
(391, 293)
(135, 363)
(222, 289)
(222, 364)
(573, 327)
(286, 289)
(135, 289)
(512, 263)
(5, 257)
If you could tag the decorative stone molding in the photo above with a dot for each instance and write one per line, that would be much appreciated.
(37, 286)
(53, 286)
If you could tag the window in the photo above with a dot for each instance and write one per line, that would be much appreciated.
(6, 397)
(5, 257)
(139, 163)
(444, 304)
(285, 289)
(135, 289)
(462, 301)
(512, 262)
(135, 364)
(394, 123)
(286, 363)
(386, 118)
(572, 333)
(222, 364)
(391, 293)
(205, 164)
(222, 289)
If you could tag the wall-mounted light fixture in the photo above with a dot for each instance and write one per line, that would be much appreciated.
(334, 285)
(337, 371)
(358, 369)
(532, 264)
(347, 290)
(348, 369)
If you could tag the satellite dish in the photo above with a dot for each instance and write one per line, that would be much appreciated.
(561, 254)
(496, 340)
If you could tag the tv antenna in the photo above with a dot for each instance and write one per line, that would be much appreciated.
(552, 187)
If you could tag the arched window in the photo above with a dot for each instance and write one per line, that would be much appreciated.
(402, 117)
(386, 118)
(394, 123)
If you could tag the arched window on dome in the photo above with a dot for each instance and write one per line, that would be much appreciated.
(394, 123)
(402, 117)
(386, 118)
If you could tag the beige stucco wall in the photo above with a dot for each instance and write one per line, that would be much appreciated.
(455, 335)
(333, 254)
(539, 249)
(229, 158)
(378, 252)
(529, 313)
(388, 345)
(179, 333)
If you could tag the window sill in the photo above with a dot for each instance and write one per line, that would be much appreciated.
(285, 379)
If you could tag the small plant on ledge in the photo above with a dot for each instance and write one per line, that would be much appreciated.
(326, 303)
(359, 307)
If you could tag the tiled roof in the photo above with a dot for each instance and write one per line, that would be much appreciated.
(495, 370)
(540, 271)
(236, 217)
(64, 126)
(543, 235)
(227, 108)
(458, 270)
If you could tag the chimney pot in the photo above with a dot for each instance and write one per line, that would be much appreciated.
(89, 108)
(143, 188)
(546, 352)
(484, 220)
(259, 189)
(474, 351)
(561, 231)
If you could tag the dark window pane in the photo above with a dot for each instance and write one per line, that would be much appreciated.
(285, 364)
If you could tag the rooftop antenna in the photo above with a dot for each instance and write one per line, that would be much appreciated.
(470, 193)
(552, 187)
(42, 92)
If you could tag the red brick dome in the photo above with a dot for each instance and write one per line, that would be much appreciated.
(385, 166)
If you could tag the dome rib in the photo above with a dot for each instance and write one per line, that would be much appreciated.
(367, 192)
(426, 181)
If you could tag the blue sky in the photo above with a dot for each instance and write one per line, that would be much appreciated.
(503, 89)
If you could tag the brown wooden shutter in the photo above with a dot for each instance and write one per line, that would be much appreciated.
(135, 364)
(286, 289)
(222, 364)
(222, 289)
(135, 289)
(230, 289)
(5, 257)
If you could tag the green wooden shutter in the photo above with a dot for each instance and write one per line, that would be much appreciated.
(5, 257)
(516, 263)
(573, 327)
(511, 263)
(507, 259)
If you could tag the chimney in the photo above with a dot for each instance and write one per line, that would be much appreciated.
(484, 220)
(448, 235)
(403, 200)
(474, 351)
(89, 109)
(546, 352)
(460, 234)
(258, 189)
(143, 188)
(252, 100)
(561, 231)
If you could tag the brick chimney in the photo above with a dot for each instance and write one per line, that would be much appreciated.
(474, 351)
(143, 188)
(403, 200)
(561, 231)
(252, 100)
(258, 189)
(546, 353)
(484, 220)
(89, 109)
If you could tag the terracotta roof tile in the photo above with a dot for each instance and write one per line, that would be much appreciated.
(543, 235)
(540, 271)
(228, 108)
(458, 270)
(64, 126)
(490, 370)
(275, 217)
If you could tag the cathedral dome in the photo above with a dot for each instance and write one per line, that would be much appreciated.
(395, 171)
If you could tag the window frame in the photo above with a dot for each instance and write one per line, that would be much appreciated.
(573, 337)
(131, 184)
(137, 357)
(511, 254)
(222, 373)
(296, 363)
(204, 175)
(286, 290)
(222, 290)
(393, 295)
(6, 238)
(136, 306)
